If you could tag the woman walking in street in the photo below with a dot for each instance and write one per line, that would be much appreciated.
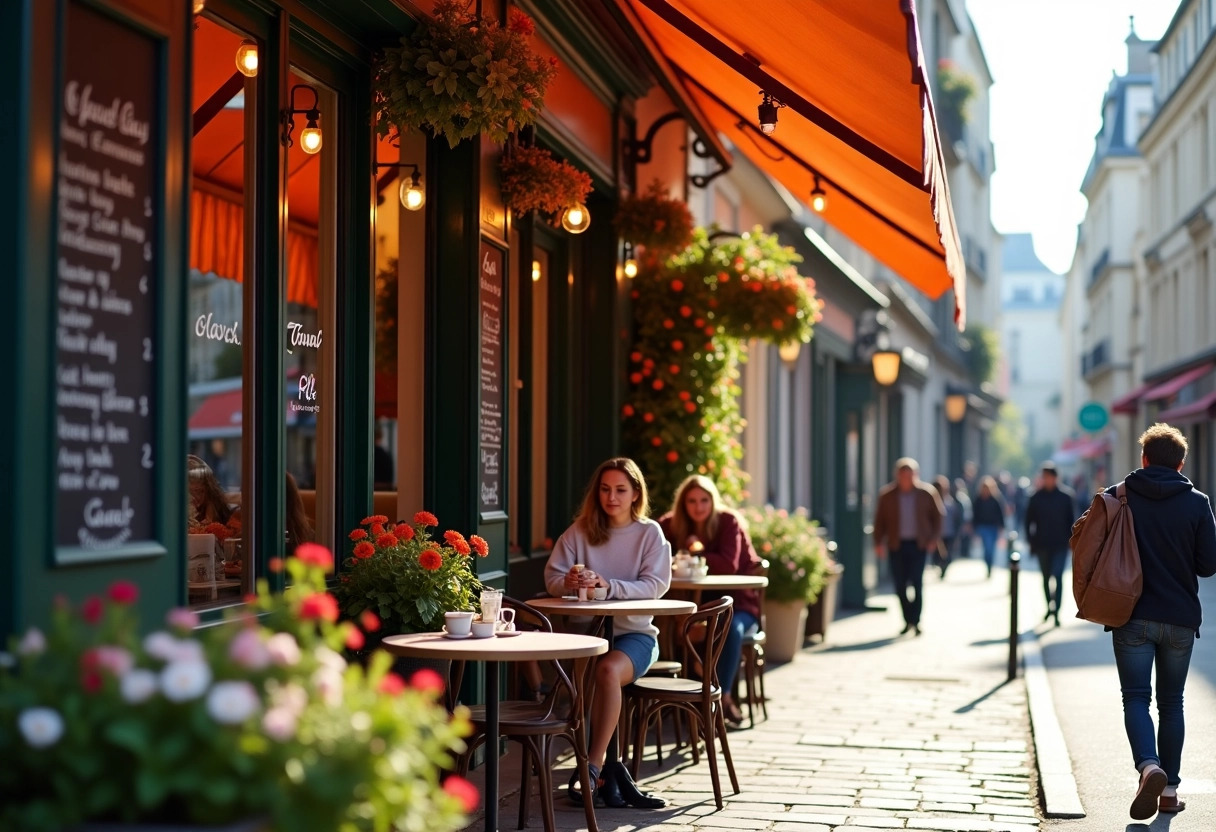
(952, 524)
(988, 515)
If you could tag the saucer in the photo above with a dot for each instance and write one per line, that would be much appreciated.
(569, 597)
(446, 634)
(508, 633)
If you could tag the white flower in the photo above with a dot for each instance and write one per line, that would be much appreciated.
(181, 618)
(187, 650)
(291, 697)
(328, 658)
(279, 724)
(41, 727)
(328, 682)
(283, 649)
(32, 643)
(231, 703)
(182, 681)
(137, 686)
(160, 645)
(248, 650)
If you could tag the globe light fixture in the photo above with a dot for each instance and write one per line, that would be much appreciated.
(247, 58)
(310, 136)
(886, 366)
(631, 264)
(413, 197)
(535, 271)
(767, 113)
(576, 219)
(956, 407)
(819, 197)
(789, 352)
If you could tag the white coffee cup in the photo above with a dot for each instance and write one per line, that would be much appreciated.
(506, 619)
(458, 623)
(600, 593)
(484, 629)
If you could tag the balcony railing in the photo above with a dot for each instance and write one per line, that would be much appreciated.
(1096, 358)
(1099, 266)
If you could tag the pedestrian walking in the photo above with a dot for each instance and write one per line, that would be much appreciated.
(966, 533)
(988, 516)
(1176, 538)
(1050, 513)
(907, 525)
(952, 524)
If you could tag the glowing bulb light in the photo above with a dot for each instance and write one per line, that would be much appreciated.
(310, 138)
(819, 197)
(576, 219)
(789, 352)
(886, 366)
(411, 193)
(767, 113)
(535, 271)
(631, 268)
(247, 58)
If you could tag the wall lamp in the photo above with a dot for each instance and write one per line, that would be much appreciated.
(819, 197)
(247, 58)
(310, 136)
(410, 191)
(956, 406)
(886, 366)
(768, 113)
(576, 219)
(631, 263)
(789, 352)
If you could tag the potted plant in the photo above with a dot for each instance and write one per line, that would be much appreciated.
(407, 578)
(533, 180)
(653, 220)
(255, 724)
(459, 75)
(797, 559)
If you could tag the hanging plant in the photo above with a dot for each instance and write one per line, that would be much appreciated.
(532, 180)
(694, 314)
(459, 75)
(955, 90)
(654, 220)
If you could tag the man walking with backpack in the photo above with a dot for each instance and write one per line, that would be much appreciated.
(1176, 537)
(1049, 516)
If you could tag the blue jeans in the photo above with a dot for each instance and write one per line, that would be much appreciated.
(988, 536)
(1139, 646)
(908, 572)
(1052, 562)
(741, 623)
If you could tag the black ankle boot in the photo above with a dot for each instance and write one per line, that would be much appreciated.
(628, 790)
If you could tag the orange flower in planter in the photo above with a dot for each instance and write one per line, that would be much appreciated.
(480, 546)
(430, 560)
(425, 518)
(364, 550)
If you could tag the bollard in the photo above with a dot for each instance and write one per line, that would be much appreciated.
(1015, 568)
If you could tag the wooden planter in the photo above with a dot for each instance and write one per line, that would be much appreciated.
(821, 613)
(785, 624)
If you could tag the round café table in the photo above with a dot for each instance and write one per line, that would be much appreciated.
(527, 646)
(607, 610)
(718, 583)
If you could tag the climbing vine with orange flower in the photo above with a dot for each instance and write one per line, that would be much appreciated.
(694, 314)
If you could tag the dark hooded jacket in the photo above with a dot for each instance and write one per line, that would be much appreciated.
(1176, 536)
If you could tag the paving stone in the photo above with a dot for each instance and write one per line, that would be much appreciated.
(888, 803)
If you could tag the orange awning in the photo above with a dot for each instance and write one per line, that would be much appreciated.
(857, 113)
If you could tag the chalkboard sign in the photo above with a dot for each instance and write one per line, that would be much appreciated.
(106, 187)
(491, 476)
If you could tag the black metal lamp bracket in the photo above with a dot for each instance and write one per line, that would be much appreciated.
(641, 151)
(313, 113)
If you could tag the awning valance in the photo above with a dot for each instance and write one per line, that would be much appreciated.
(857, 114)
(1200, 410)
(1129, 403)
(1170, 387)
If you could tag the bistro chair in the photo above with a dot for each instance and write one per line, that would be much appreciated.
(754, 661)
(534, 725)
(699, 700)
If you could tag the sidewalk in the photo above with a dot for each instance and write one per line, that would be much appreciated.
(869, 731)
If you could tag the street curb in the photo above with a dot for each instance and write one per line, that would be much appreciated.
(1056, 780)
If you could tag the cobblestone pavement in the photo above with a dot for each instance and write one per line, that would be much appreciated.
(868, 731)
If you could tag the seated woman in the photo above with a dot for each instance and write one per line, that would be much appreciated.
(207, 499)
(614, 540)
(699, 516)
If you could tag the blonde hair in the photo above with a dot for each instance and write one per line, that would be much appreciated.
(591, 517)
(682, 526)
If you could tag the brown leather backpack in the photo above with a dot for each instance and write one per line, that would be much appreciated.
(1106, 575)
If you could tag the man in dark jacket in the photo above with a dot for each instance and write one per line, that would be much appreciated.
(1176, 537)
(1050, 514)
(907, 525)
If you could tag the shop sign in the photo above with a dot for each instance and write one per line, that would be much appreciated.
(491, 281)
(107, 265)
(1093, 416)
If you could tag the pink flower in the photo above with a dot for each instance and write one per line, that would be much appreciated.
(181, 618)
(283, 649)
(117, 661)
(427, 680)
(248, 650)
(464, 792)
(32, 643)
(392, 684)
(92, 609)
(279, 724)
(315, 555)
(123, 592)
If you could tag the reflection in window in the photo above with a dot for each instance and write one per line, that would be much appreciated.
(217, 568)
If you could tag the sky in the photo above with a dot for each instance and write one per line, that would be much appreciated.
(1051, 62)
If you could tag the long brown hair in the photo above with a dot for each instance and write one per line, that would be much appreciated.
(213, 502)
(682, 525)
(299, 530)
(591, 517)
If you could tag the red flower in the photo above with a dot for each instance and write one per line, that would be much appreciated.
(791, 310)
(462, 546)
(319, 605)
(778, 324)
(465, 793)
(427, 680)
(519, 22)
(404, 532)
(709, 330)
(672, 456)
(691, 407)
(355, 639)
(635, 294)
(699, 322)
(358, 534)
(674, 369)
(627, 410)
(217, 529)
(479, 545)
(386, 540)
(392, 684)
(656, 441)
(646, 372)
(677, 285)
(364, 550)
(668, 323)
(275, 565)
(430, 560)
(375, 518)
(658, 384)
(315, 555)
(649, 362)
(685, 395)
(635, 356)
(377, 529)
(425, 518)
(92, 609)
(451, 537)
(648, 418)
(370, 621)
(635, 378)
(686, 311)
(723, 277)
(123, 592)
(90, 672)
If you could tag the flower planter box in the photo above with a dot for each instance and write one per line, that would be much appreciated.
(785, 623)
(821, 613)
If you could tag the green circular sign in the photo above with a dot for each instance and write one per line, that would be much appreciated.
(1093, 416)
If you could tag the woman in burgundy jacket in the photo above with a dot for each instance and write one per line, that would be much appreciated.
(699, 516)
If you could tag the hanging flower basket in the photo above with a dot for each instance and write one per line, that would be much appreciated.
(460, 76)
(655, 221)
(532, 180)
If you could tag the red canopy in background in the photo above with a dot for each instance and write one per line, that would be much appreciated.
(857, 112)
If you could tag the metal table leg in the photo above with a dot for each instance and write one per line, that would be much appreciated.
(492, 672)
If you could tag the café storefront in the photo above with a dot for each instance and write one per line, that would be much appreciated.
(221, 286)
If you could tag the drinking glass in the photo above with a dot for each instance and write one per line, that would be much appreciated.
(491, 603)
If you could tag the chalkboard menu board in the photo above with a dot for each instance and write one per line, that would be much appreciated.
(106, 275)
(491, 274)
